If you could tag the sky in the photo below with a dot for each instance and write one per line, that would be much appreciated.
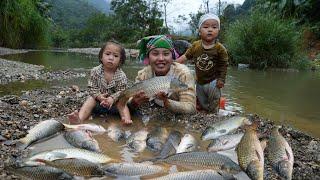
(185, 7)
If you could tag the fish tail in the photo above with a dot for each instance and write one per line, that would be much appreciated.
(22, 143)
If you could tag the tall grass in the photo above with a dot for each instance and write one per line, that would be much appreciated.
(263, 40)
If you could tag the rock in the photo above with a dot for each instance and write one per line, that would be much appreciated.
(23, 103)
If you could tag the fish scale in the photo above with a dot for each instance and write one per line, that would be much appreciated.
(132, 169)
(250, 154)
(191, 175)
(78, 167)
(40, 172)
(203, 160)
(82, 139)
(279, 151)
(152, 86)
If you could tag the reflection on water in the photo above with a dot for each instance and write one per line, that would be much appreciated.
(119, 150)
(288, 98)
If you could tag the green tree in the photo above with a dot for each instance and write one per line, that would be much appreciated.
(136, 18)
(22, 24)
(193, 23)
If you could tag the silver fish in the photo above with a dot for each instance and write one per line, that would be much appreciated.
(137, 140)
(152, 86)
(82, 139)
(191, 175)
(42, 130)
(224, 127)
(188, 144)
(208, 160)
(132, 169)
(280, 154)
(94, 128)
(115, 133)
(225, 142)
(40, 172)
(157, 138)
(171, 144)
(69, 153)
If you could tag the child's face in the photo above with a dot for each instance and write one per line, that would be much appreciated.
(209, 30)
(111, 56)
(160, 60)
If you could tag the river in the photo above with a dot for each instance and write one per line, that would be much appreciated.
(289, 98)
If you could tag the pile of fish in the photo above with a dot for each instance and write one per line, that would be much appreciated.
(168, 147)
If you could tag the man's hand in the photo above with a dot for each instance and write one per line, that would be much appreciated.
(139, 98)
(220, 83)
(163, 96)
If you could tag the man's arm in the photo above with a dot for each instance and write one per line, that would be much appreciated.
(182, 59)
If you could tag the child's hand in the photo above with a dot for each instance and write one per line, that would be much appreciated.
(163, 96)
(220, 84)
(107, 102)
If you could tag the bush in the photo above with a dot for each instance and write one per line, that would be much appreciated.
(263, 41)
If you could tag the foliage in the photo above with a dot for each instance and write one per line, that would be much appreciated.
(136, 18)
(195, 21)
(263, 40)
(22, 24)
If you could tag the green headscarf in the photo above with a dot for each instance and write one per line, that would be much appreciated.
(148, 43)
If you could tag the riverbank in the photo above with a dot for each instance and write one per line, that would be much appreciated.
(20, 113)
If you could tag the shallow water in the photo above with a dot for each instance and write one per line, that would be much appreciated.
(289, 98)
(119, 150)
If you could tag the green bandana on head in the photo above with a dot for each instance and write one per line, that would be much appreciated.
(151, 42)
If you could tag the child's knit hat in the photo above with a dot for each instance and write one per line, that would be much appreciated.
(205, 17)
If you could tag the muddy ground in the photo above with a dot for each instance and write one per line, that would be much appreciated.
(20, 113)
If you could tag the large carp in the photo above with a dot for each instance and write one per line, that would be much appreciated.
(39, 172)
(225, 142)
(82, 139)
(203, 160)
(77, 167)
(188, 144)
(191, 175)
(137, 140)
(152, 86)
(42, 130)
(224, 127)
(280, 154)
(171, 144)
(132, 169)
(250, 153)
(69, 153)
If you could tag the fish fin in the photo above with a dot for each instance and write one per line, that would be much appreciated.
(222, 131)
(258, 155)
(58, 155)
(263, 144)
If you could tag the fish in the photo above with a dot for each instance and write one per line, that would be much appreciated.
(42, 130)
(225, 142)
(171, 144)
(82, 139)
(280, 154)
(188, 143)
(132, 169)
(94, 128)
(39, 172)
(167, 84)
(157, 138)
(250, 153)
(224, 127)
(203, 160)
(69, 153)
(76, 167)
(115, 133)
(191, 175)
(137, 140)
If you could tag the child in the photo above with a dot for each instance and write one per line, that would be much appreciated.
(106, 82)
(211, 60)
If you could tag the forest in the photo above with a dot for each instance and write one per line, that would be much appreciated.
(272, 33)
